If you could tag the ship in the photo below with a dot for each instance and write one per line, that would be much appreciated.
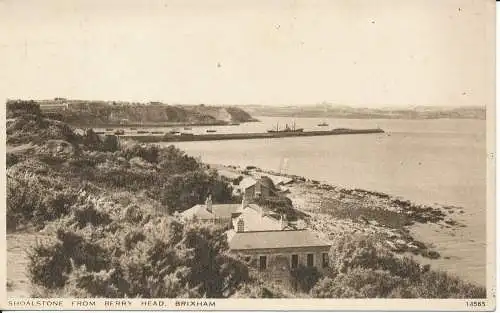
(323, 124)
(120, 132)
(287, 129)
(211, 131)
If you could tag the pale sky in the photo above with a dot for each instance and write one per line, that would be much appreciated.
(354, 52)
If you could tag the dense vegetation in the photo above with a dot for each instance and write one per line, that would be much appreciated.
(360, 268)
(110, 209)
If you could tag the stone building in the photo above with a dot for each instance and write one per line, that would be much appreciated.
(263, 187)
(273, 254)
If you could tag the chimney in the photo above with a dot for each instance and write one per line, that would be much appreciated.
(208, 203)
(244, 202)
(240, 226)
(283, 221)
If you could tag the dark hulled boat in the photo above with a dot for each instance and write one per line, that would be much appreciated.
(287, 129)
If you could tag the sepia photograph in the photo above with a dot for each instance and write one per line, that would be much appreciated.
(207, 155)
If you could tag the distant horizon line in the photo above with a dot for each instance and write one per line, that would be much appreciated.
(276, 105)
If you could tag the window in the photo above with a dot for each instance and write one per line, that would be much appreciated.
(310, 259)
(262, 262)
(325, 260)
(295, 260)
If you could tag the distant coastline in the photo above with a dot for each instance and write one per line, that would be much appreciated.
(347, 112)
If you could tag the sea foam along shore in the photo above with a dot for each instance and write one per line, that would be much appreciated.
(330, 210)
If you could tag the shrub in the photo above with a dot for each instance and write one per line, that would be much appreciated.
(24, 198)
(9, 285)
(357, 283)
(48, 266)
(20, 107)
(51, 263)
(31, 202)
(86, 213)
(110, 143)
(149, 153)
(305, 277)
(258, 289)
(91, 140)
(281, 205)
(362, 269)
(11, 159)
(158, 258)
(180, 192)
(174, 161)
(36, 129)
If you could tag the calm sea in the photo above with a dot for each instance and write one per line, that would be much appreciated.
(428, 161)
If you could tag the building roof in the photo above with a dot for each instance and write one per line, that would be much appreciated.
(256, 219)
(253, 206)
(247, 182)
(274, 240)
(218, 211)
(267, 182)
(283, 180)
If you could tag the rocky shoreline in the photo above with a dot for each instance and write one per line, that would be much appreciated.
(332, 210)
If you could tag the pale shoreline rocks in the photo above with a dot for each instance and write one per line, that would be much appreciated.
(332, 210)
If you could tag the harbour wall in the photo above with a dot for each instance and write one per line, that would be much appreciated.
(240, 136)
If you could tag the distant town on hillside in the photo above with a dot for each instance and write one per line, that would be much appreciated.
(345, 111)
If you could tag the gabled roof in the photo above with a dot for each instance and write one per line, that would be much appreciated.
(277, 180)
(256, 219)
(218, 211)
(267, 182)
(247, 182)
(255, 207)
(275, 240)
(252, 206)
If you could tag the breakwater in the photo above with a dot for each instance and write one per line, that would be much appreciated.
(238, 136)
